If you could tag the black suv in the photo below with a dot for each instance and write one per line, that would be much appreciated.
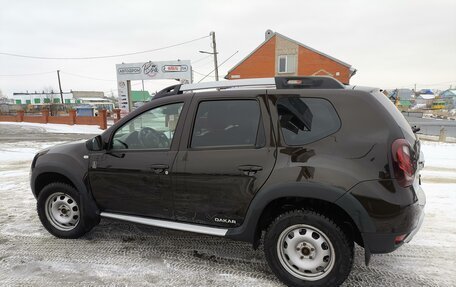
(306, 163)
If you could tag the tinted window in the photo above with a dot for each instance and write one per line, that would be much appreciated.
(226, 123)
(153, 129)
(305, 120)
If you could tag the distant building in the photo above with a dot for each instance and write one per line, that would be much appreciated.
(279, 55)
(425, 92)
(403, 98)
(450, 93)
(403, 94)
(5, 100)
(139, 98)
(449, 96)
(93, 98)
(42, 98)
(87, 94)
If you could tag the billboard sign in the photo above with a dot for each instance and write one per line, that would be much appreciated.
(152, 70)
(155, 70)
(124, 103)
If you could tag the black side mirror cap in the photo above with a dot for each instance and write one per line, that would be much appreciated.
(95, 144)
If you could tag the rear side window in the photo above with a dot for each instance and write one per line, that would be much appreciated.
(226, 123)
(305, 120)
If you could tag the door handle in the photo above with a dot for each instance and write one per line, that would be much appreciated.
(116, 154)
(159, 168)
(250, 169)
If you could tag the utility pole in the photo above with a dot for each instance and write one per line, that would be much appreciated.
(214, 47)
(60, 87)
(214, 52)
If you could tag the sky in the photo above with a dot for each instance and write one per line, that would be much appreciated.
(392, 44)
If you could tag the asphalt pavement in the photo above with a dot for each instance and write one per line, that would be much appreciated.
(13, 133)
(432, 126)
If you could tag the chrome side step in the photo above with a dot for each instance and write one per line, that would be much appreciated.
(167, 224)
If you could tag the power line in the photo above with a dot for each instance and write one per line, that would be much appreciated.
(201, 59)
(104, 56)
(115, 89)
(219, 66)
(209, 61)
(31, 74)
(201, 74)
(86, 77)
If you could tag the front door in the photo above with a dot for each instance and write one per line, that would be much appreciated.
(226, 160)
(133, 177)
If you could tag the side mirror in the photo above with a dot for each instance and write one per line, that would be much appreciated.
(95, 144)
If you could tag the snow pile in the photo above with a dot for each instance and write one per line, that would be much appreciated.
(60, 128)
(21, 151)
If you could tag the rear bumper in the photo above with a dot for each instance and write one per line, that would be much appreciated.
(388, 242)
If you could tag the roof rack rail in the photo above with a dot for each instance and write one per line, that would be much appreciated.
(259, 82)
(169, 91)
(311, 82)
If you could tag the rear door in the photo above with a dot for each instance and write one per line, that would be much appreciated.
(226, 154)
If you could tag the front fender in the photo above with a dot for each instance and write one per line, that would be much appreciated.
(75, 171)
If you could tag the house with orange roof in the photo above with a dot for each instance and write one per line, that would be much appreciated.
(279, 55)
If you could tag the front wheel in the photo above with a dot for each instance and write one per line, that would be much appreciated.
(305, 248)
(60, 211)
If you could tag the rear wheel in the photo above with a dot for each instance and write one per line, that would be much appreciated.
(305, 248)
(60, 211)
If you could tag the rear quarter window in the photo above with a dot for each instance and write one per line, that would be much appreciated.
(306, 120)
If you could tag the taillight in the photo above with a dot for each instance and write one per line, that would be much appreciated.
(404, 169)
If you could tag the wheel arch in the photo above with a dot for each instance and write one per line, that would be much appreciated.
(46, 178)
(340, 205)
(44, 175)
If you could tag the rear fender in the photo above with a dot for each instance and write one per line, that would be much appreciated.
(306, 190)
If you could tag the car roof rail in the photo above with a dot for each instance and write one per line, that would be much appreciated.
(292, 82)
(312, 82)
(258, 82)
(169, 91)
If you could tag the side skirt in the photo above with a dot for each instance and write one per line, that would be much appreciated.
(167, 224)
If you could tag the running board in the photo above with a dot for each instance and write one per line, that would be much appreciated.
(167, 224)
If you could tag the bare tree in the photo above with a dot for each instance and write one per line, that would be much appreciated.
(3, 98)
(49, 92)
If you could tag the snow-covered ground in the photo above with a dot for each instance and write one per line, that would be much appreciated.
(59, 128)
(122, 254)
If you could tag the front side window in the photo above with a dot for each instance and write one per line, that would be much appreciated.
(226, 123)
(153, 129)
(305, 120)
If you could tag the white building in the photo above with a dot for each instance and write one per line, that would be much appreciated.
(42, 98)
(93, 98)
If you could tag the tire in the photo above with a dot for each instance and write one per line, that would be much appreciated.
(305, 248)
(61, 213)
